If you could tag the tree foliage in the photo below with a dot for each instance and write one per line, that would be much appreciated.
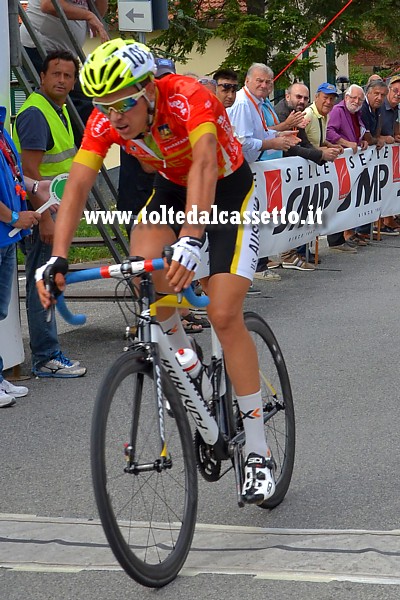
(273, 31)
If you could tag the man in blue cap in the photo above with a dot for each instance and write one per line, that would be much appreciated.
(317, 114)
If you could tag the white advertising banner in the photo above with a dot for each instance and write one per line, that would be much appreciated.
(354, 190)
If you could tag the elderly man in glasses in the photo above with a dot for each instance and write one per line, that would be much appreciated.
(346, 127)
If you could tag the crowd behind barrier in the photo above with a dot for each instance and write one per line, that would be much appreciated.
(354, 190)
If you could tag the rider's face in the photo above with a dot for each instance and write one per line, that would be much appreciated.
(134, 121)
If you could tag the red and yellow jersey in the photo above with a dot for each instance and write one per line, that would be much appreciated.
(185, 111)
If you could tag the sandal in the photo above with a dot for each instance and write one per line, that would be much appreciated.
(190, 327)
(356, 240)
(197, 320)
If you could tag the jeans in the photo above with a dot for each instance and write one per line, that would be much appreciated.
(8, 262)
(43, 335)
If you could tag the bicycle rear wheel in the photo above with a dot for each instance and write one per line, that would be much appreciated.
(279, 420)
(148, 515)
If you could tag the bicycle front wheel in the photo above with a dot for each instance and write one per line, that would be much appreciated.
(279, 421)
(148, 511)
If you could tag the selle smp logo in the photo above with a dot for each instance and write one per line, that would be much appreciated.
(100, 125)
(396, 163)
(273, 182)
(179, 106)
(343, 176)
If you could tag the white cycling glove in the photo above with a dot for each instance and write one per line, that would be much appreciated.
(187, 252)
(47, 273)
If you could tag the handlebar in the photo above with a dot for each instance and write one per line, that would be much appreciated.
(127, 268)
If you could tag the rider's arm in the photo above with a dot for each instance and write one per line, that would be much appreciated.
(202, 180)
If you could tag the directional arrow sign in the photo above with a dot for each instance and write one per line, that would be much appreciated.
(135, 15)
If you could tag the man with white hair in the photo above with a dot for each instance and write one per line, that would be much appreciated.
(258, 140)
(346, 127)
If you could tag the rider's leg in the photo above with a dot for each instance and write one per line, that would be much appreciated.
(149, 241)
(227, 293)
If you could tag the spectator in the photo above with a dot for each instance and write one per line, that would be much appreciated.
(248, 120)
(13, 213)
(346, 127)
(52, 36)
(296, 99)
(375, 94)
(43, 136)
(390, 113)
(227, 86)
(317, 116)
(208, 83)
(391, 130)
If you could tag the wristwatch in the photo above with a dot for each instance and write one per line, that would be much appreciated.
(35, 187)
(14, 218)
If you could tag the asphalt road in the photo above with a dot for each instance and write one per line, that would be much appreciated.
(338, 330)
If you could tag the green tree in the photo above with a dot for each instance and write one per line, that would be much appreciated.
(273, 31)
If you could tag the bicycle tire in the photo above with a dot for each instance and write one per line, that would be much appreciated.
(276, 393)
(148, 517)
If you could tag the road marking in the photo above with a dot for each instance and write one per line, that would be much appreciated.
(44, 544)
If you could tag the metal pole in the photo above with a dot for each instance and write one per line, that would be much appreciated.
(4, 57)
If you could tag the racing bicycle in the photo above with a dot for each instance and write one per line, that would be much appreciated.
(144, 452)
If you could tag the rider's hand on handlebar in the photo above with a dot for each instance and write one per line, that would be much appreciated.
(50, 281)
(185, 260)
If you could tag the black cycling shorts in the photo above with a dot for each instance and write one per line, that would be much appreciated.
(233, 247)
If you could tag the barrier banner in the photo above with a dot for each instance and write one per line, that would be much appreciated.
(354, 190)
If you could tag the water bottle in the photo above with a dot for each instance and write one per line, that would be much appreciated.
(191, 364)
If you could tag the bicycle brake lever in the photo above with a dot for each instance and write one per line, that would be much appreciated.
(50, 310)
(168, 253)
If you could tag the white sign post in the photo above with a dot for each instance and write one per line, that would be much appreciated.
(135, 15)
(11, 347)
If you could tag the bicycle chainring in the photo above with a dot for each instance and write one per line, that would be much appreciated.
(209, 467)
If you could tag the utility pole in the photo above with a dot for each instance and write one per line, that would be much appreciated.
(4, 57)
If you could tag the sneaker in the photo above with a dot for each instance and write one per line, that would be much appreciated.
(297, 262)
(17, 391)
(387, 231)
(259, 483)
(267, 275)
(253, 291)
(344, 248)
(60, 366)
(6, 399)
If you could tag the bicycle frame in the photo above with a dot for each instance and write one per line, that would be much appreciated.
(156, 344)
(150, 332)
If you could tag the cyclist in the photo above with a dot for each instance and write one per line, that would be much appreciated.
(176, 127)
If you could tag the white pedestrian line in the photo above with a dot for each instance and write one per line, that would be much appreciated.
(30, 543)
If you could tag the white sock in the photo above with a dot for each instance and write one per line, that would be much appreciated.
(251, 411)
(177, 336)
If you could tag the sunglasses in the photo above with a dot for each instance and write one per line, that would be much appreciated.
(205, 81)
(229, 87)
(120, 106)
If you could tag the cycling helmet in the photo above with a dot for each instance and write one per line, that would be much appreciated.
(115, 65)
